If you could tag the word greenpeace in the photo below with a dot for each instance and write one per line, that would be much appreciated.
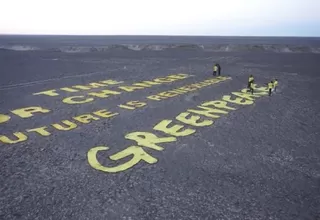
(83, 119)
(184, 124)
(31, 111)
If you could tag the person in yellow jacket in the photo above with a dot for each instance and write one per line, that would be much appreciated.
(270, 87)
(275, 84)
(215, 69)
(251, 87)
(250, 82)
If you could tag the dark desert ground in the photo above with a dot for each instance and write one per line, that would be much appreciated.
(255, 159)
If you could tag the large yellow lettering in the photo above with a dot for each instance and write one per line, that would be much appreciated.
(168, 94)
(69, 89)
(179, 76)
(238, 101)
(137, 153)
(90, 86)
(182, 89)
(104, 113)
(40, 131)
(130, 88)
(179, 91)
(223, 78)
(173, 130)
(156, 97)
(218, 104)
(19, 135)
(28, 112)
(146, 84)
(193, 120)
(126, 107)
(86, 118)
(212, 81)
(243, 95)
(209, 112)
(255, 95)
(187, 88)
(104, 93)
(77, 100)
(111, 82)
(262, 88)
(196, 85)
(4, 118)
(164, 80)
(48, 93)
(261, 91)
(204, 84)
(136, 104)
(142, 85)
(70, 125)
(150, 140)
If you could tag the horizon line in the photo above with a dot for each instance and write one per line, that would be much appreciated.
(153, 35)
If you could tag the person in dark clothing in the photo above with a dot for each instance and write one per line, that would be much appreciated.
(219, 69)
(270, 87)
(215, 69)
(251, 87)
(275, 84)
(250, 82)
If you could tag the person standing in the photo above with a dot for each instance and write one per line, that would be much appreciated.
(275, 84)
(251, 87)
(215, 69)
(219, 69)
(250, 81)
(270, 86)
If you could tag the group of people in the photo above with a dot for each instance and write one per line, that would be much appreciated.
(272, 85)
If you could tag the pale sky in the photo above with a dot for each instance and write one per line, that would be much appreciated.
(161, 17)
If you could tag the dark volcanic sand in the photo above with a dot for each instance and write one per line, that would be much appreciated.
(259, 162)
